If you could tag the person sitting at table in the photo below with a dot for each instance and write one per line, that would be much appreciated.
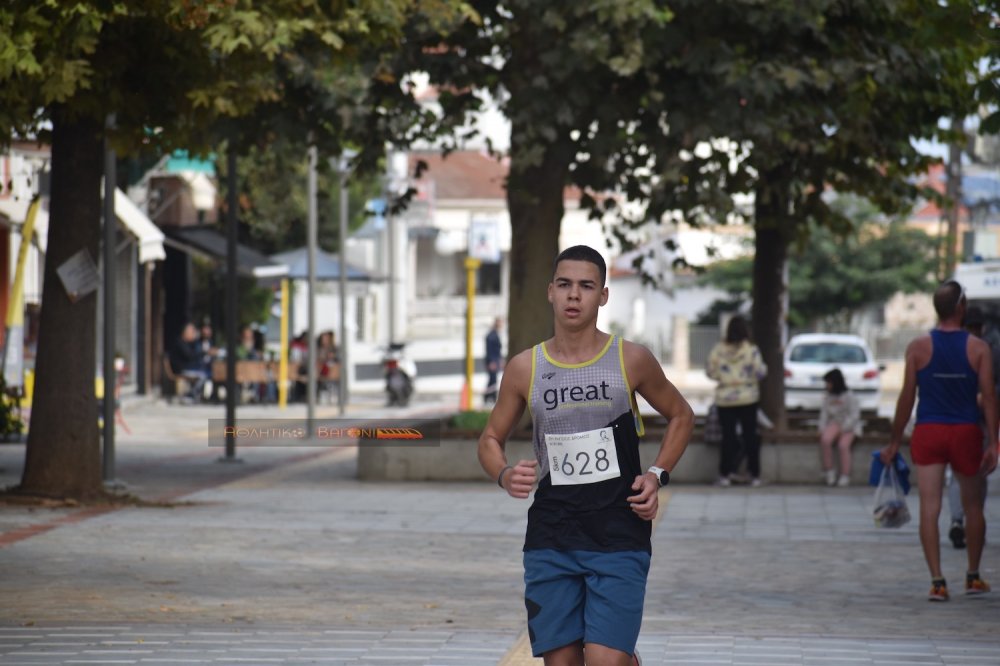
(298, 354)
(247, 348)
(187, 361)
(328, 364)
(208, 347)
(209, 351)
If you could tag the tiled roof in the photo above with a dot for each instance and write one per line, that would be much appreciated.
(469, 174)
(935, 179)
(463, 174)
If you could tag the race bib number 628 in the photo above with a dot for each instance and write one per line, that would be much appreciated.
(583, 457)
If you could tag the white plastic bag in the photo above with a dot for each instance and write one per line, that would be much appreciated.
(890, 501)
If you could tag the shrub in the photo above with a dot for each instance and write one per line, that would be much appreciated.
(469, 420)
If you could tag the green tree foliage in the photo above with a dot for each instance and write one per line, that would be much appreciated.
(832, 278)
(569, 76)
(988, 90)
(176, 68)
(176, 73)
(680, 109)
(208, 298)
(274, 198)
(782, 99)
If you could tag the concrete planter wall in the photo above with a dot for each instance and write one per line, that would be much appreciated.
(791, 458)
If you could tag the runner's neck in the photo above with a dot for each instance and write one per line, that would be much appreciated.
(576, 347)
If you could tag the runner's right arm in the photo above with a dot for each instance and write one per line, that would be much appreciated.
(511, 401)
(904, 405)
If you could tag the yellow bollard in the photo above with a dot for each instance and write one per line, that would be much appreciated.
(471, 266)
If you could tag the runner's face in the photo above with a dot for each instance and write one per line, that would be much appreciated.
(576, 293)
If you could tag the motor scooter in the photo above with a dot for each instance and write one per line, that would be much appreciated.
(400, 374)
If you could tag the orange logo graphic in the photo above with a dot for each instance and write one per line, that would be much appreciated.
(398, 433)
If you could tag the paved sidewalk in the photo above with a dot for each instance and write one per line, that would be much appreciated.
(287, 558)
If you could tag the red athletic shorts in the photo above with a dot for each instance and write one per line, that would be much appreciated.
(957, 444)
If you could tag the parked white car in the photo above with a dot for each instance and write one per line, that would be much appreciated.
(810, 356)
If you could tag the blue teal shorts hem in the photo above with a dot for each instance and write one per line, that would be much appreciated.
(591, 596)
(539, 650)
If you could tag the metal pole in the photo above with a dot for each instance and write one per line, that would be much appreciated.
(342, 244)
(390, 221)
(142, 326)
(311, 241)
(953, 189)
(231, 303)
(283, 353)
(110, 241)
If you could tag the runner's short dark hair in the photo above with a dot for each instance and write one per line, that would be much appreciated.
(583, 253)
(947, 297)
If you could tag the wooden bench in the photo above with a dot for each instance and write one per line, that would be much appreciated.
(253, 378)
(246, 372)
(252, 372)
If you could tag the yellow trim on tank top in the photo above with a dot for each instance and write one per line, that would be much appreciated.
(640, 427)
(597, 358)
(531, 384)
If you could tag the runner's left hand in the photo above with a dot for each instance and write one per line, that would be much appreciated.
(646, 503)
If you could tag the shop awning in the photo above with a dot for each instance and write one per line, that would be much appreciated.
(327, 266)
(147, 235)
(134, 221)
(210, 243)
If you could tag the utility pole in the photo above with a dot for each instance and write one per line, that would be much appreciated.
(110, 241)
(232, 312)
(342, 396)
(311, 242)
(953, 190)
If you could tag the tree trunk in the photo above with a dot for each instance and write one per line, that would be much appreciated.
(63, 450)
(769, 312)
(535, 202)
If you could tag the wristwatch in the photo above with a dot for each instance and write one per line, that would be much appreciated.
(662, 475)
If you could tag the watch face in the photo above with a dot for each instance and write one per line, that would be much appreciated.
(664, 478)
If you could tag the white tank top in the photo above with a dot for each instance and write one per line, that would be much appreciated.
(569, 398)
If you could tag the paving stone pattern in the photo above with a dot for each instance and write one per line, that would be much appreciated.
(287, 558)
(159, 644)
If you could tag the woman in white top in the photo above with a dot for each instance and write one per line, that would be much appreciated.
(840, 422)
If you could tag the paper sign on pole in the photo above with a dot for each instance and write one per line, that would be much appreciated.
(79, 275)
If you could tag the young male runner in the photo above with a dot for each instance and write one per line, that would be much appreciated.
(587, 547)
